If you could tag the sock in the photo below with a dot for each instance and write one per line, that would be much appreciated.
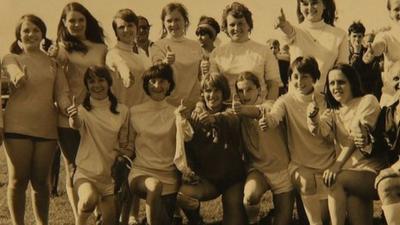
(312, 207)
(392, 213)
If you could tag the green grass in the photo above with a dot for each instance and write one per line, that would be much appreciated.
(61, 214)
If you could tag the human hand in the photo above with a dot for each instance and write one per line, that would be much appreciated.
(312, 109)
(206, 118)
(369, 54)
(237, 106)
(263, 122)
(330, 174)
(182, 110)
(72, 110)
(53, 50)
(169, 56)
(280, 21)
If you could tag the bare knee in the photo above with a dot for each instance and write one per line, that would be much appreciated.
(87, 203)
(388, 190)
(154, 189)
(18, 183)
(251, 198)
(40, 185)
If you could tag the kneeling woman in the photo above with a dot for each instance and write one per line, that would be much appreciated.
(103, 125)
(153, 174)
(215, 155)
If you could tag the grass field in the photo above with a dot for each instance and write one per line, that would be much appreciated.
(61, 214)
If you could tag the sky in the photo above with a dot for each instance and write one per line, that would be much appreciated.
(372, 13)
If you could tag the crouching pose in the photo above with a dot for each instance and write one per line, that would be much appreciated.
(103, 125)
(214, 153)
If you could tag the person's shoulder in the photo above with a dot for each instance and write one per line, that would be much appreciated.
(369, 99)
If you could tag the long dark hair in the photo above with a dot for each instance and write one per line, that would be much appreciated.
(15, 48)
(94, 32)
(101, 72)
(354, 80)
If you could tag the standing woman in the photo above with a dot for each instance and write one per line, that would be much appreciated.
(123, 59)
(30, 121)
(80, 44)
(181, 53)
(316, 35)
(242, 54)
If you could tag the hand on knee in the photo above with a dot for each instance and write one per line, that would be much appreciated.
(187, 202)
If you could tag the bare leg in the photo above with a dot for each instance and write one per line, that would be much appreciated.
(232, 198)
(40, 179)
(283, 204)
(19, 158)
(254, 188)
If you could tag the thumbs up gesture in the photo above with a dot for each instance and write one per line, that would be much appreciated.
(53, 50)
(169, 56)
(72, 110)
(182, 110)
(360, 134)
(312, 109)
(263, 121)
(280, 20)
(205, 65)
(236, 104)
(369, 54)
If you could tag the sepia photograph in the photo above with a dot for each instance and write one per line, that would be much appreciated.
(212, 112)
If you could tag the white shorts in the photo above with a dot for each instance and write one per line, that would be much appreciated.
(104, 189)
(279, 182)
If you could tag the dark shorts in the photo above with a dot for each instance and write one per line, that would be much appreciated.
(23, 136)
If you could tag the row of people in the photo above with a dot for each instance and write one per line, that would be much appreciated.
(80, 44)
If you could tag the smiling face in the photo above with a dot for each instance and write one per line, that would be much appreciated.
(31, 36)
(394, 11)
(126, 31)
(174, 23)
(158, 88)
(302, 82)
(238, 29)
(312, 10)
(339, 86)
(98, 87)
(213, 98)
(248, 92)
(75, 22)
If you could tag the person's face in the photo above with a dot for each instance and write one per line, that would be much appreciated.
(213, 98)
(394, 74)
(98, 87)
(356, 39)
(238, 29)
(158, 88)
(312, 10)
(31, 36)
(339, 86)
(75, 22)
(143, 30)
(302, 82)
(394, 11)
(175, 24)
(248, 92)
(274, 48)
(205, 39)
(126, 31)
